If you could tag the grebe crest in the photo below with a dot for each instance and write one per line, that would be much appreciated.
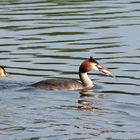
(88, 65)
(70, 84)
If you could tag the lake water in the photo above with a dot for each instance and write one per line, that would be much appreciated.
(42, 39)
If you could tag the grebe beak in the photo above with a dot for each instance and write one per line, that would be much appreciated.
(9, 75)
(103, 70)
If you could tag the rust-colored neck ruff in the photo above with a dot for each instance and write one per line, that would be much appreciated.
(85, 67)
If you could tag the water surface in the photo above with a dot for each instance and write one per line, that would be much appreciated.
(49, 39)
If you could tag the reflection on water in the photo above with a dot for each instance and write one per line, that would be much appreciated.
(49, 39)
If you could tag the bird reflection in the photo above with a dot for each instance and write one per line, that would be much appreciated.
(86, 104)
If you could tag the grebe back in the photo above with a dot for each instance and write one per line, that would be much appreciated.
(70, 84)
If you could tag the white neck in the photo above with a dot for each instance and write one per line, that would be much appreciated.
(86, 81)
(2, 74)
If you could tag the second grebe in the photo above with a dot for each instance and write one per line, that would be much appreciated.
(70, 84)
(3, 73)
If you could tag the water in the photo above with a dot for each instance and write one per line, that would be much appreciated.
(48, 39)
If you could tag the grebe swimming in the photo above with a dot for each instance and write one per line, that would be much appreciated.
(3, 73)
(70, 84)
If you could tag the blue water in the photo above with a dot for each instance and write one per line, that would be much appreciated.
(49, 39)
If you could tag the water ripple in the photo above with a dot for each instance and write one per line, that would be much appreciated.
(49, 39)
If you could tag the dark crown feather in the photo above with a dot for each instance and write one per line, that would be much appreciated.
(93, 60)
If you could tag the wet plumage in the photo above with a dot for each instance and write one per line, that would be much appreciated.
(59, 84)
(71, 84)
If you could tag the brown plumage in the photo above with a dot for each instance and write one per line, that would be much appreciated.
(70, 84)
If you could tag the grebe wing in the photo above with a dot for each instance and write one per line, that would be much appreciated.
(59, 84)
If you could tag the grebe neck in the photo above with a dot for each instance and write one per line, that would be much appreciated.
(86, 81)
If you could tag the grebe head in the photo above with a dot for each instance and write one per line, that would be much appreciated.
(3, 73)
(92, 64)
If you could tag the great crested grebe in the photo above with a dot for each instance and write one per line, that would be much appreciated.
(70, 84)
(3, 73)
